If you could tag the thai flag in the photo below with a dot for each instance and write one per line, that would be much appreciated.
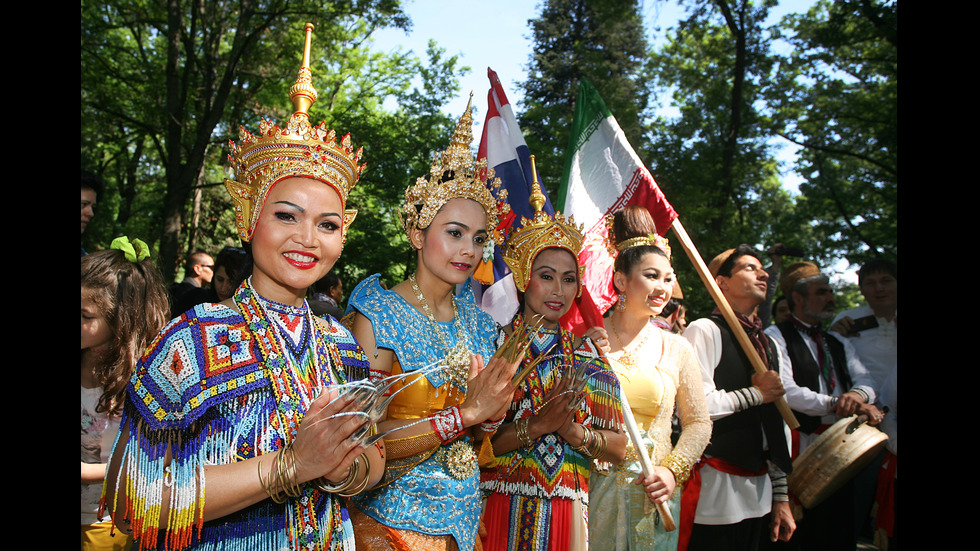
(506, 152)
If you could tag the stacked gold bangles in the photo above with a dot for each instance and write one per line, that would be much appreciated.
(282, 477)
(357, 480)
(521, 427)
(593, 443)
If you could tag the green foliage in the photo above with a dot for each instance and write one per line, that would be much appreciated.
(836, 96)
(602, 40)
(401, 144)
(714, 160)
(847, 295)
(166, 86)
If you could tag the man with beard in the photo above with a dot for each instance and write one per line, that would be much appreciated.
(824, 379)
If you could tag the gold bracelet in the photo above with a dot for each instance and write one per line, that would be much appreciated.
(361, 485)
(284, 481)
(266, 485)
(521, 427)
(599, 449)
(326, 486)
(677, 466)
(290, 482)
(587, 438)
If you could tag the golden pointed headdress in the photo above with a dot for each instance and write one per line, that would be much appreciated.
(298, 150)
(539, 233)
(453, 175)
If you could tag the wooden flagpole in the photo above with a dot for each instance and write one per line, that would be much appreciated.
(729, 315)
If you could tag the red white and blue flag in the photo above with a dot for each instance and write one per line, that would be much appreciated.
(503, 145)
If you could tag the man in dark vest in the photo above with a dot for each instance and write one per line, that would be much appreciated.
(824, 380)
(740, 483)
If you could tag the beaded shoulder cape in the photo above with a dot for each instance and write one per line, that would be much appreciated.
(217, 386)
(209, 355)
(551, 468)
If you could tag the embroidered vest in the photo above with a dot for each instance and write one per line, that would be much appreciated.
(736, 438)
(806, 371)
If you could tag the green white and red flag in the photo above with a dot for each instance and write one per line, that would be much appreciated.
(602, 174)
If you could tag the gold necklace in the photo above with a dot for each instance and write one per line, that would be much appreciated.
(458, 356)
(627, 358)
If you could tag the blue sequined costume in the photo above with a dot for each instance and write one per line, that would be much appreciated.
(425, 497)
(217, 386)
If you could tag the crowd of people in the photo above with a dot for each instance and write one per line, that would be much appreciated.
(243, 409)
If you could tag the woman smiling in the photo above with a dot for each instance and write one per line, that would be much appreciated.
(657, 370)
(429, 497)
(564, 416)
(229, 437)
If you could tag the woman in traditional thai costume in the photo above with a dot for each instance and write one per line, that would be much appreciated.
(565, 414)
(429, 497)
(229, 437)
(657, 370)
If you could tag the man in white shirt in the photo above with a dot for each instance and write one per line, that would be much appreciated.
(742, 475)
(824, 380)
(873, 328)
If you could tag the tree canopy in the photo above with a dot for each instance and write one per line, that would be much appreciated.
(166, 85)
(836, 96)
(735, 98)
(602, 40)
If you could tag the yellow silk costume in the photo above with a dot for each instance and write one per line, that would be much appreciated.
(621, 516)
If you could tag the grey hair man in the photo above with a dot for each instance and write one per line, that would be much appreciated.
(824, 380)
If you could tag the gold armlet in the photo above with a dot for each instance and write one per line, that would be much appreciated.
(681, 470)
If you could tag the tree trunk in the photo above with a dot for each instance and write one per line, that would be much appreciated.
(730, 148)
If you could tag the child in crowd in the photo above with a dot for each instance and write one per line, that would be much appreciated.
(124, 305)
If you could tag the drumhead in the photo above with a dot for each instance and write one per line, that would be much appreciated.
(833, 459)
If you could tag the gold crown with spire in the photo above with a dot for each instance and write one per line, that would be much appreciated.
(299, 150)
(454, 175)
(539, 233)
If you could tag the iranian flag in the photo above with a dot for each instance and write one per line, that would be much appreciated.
(602, 175)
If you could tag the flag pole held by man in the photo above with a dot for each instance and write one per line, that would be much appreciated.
(603, 174)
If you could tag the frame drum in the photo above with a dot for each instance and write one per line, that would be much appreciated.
(833, 459)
